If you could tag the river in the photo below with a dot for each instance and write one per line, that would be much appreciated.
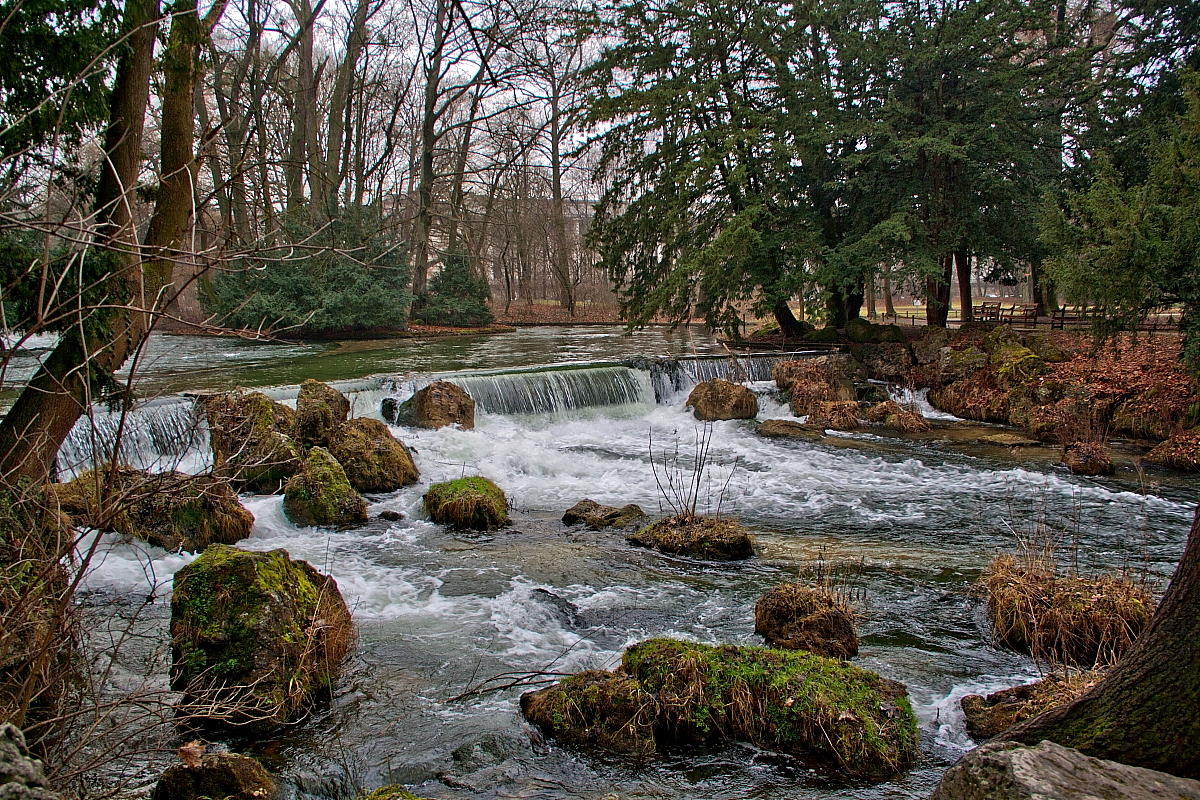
(913, 523)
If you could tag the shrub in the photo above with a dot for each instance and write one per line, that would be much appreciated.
(457, 297)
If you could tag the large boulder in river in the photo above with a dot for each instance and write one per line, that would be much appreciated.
(1181, 451)
(373, 459)
(228, 776)
(320, 411)
(321, 494)
(827, 713)
(439, 404)
(1049, 771)
(718, 399)
(710, 538)
(168, 509)
(251, 440)
(792, 616)
(1088, 458)
(22, 776)
(473, 503)
(596, 516)
(255, 637)
(810, 382)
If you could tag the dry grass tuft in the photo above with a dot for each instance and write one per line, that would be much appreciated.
(838, 415)
(1068, 619)
(891, 414)
(997, 712)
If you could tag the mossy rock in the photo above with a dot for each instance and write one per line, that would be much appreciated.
(826, 712)
(884, 361)
(864, 331)
(793, 616)
(321, 494)
(826, 335)
(962, 363)
(251, 439)
(927, 348)
(1014, 363)
(228, 776)
(393, 792)
(473, 503)
(374, 461)
(256, 638)
(168, 509)
(709, 538)
(1047, 347)
(596, 710)
(718, 399)
(320, 411)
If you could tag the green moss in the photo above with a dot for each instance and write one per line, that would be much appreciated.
(374, 461)
(473, 502)
(819, 709)
(321, 494)
(1015, 363)
(393, 792)
(710, 538)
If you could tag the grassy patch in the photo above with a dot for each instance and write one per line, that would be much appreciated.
(472, 503)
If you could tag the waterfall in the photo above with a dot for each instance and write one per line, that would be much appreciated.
(670, 376)
(165, 434)
(545, 391)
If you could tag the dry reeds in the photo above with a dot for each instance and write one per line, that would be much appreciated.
(838, 415)
(997, 712)
(891, 414)
(1068, 618)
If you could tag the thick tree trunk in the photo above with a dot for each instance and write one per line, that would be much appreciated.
(937, 294)
(61, 391)
(788, 324)
(962, 264)
(37, 424)
(428, 141)
(1144, 710)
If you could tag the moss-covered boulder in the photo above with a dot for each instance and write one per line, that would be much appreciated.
(251, 440)
(473, 503)
(889, 361)
(320, 411)
(793, 616)
(374, 461)
(228, 776)
(321, 494)
(22, 777)
(1088, 458)
(168, 509)
(256, 638)
(595, 516)
(438, 405)
(826, 712)
(719, 399)
(596, 710)
(866, 332)
(1013, 363)
(993, 714)
(835, 415)
(927, 348)
(391, 792)
(709, 538)
(1181, 451)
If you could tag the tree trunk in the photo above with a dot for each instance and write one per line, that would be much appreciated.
(61, 391)
(1143, 711)
(429, 136)
(788, 324)
(937, 294)
(962, 263)
(889, 306)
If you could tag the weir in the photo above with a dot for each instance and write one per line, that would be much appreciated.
(671, 376)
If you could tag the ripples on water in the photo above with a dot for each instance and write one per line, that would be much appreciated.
(438, 611)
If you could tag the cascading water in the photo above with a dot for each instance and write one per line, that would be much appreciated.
(167, 434)
(671, 376)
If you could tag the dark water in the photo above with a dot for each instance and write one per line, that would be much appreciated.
(437, 611)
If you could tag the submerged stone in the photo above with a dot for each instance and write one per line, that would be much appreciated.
(793, 616)
(373, 459)
(718, 399)
(255, 637)
(320, 411)
(321, 494)
(473, 503)
(168, 509)
(228, 776)
(596, 516)
(709, 538)
(786, 429)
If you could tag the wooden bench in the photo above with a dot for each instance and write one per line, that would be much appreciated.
(1020, 315)
(986, 311)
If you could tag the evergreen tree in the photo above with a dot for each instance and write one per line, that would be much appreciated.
(456, 297)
